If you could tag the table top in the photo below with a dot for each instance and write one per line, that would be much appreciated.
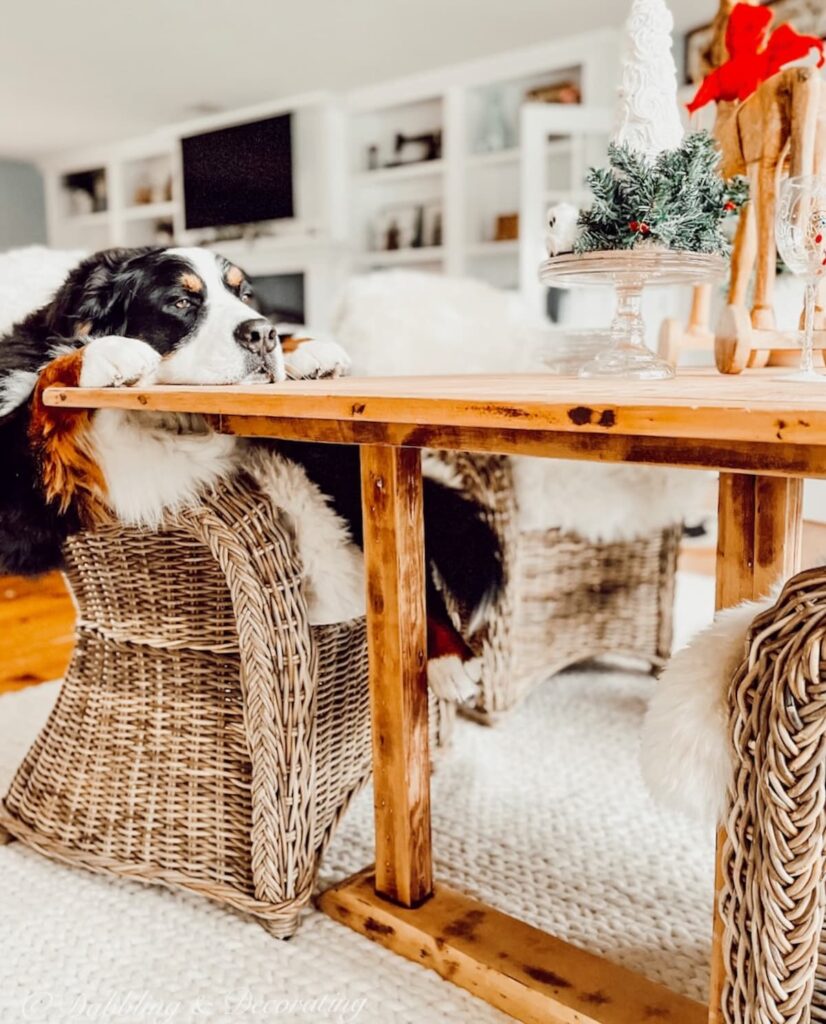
(697, 405)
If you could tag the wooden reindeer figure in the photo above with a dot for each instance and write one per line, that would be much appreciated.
(780, 129)
(779, 125)
(773, 124)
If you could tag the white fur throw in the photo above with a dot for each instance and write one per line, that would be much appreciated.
(405, 323)
(408, 323)
(29, 277)
(685, 749)
(333, 565)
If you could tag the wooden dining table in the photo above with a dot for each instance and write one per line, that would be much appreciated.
(762, 434)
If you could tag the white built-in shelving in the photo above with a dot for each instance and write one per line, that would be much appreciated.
(476, 107)
(347, 196)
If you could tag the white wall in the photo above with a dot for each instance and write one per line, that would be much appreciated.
(22, 205)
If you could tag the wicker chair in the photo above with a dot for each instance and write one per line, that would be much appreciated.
(566, 599)
(774, 858)
(205, 737)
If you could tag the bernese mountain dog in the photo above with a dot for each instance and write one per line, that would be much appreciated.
(187, 316)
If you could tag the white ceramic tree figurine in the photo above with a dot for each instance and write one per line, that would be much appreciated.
(648, 116)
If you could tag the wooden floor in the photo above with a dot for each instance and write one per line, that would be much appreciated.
(36, 623)
(37, 616)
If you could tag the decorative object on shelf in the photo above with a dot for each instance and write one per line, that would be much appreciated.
(648, 116)
(80, 202)
(407, 226)
(142, 194)
(425, 146)
(86, 191)
(153, 182)
(393, 228)
(756, 54)
(432, 223)
(495, 132)
(562, 228)
(372, 158)
(164, 231)
(554, 92)
(629, 271)
(506, 228)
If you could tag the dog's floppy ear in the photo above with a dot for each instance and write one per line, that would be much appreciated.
(93, 299)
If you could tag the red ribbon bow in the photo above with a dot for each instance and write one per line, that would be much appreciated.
(754, 55)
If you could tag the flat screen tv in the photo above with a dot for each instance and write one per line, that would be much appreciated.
(239, 175)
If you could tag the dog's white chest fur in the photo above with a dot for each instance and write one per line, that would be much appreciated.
(149, 468)
(152, 462)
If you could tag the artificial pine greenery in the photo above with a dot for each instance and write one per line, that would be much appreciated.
(679, 201)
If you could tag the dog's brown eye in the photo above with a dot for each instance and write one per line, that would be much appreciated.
(183, 304)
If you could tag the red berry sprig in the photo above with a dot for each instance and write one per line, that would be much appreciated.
(730, 206)
(639, 227)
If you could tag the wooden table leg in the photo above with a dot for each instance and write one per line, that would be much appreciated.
(759, 541)
(535, 977)
(397, 637)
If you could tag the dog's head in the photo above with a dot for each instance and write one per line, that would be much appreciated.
(193, 306)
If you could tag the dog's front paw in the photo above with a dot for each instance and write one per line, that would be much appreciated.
(453, 679)
(111, 361)
(314, 359)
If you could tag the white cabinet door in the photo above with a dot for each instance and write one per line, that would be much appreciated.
(558, 144)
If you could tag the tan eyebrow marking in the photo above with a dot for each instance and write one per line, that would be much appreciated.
(234, 276)
(192, 282)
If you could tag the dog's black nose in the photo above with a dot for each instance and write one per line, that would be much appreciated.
(258, 336)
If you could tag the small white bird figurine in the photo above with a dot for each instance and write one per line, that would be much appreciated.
(562, 228)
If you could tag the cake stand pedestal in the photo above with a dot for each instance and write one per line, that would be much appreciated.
(629, 271)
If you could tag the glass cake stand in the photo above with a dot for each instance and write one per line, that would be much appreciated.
(629, 271)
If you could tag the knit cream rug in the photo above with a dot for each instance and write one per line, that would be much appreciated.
(544, 816)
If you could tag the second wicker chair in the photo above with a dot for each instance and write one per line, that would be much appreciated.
(566, 598)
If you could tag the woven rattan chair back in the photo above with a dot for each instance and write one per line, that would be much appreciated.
(774, 857)
(206, 736)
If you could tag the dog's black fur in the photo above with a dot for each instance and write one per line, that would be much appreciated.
(131, 293)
